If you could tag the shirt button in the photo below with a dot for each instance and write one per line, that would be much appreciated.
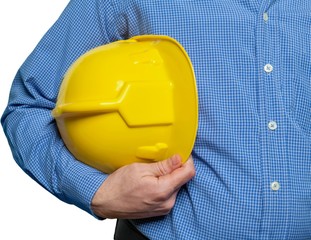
(268, 68)
(265, 17)
(272, 125)
(275, 186)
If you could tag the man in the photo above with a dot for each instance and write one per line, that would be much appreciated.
(253, 147)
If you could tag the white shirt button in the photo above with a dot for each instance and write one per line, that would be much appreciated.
(275, 186)
(268, 68)
(272, 125)
(265, 17)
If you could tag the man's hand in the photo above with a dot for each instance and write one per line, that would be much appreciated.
(142, 190)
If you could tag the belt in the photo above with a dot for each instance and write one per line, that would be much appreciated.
(125, 230)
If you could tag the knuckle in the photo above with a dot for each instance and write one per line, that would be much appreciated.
(156, 194)
(161, 196)
(168, 206)
(192, 172)
(166, 212)
(161, 168)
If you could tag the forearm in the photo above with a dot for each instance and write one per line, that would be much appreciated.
(40, 152)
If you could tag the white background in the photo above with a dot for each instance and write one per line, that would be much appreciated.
(27, 211)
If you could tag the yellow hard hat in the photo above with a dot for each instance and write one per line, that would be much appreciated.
(129, 101)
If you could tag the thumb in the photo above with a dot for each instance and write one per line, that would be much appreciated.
(167, 166)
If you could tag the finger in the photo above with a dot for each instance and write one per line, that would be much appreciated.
(166, 206)
(179, 177)
(165, 167)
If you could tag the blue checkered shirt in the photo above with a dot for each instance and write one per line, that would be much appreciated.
(252, 61)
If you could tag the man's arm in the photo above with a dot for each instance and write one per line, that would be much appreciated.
(27, 121)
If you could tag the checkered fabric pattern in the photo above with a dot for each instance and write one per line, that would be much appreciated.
(252, 61)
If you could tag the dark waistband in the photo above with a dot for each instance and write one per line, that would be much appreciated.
(125, 230)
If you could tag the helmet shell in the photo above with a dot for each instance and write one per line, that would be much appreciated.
(129, 101)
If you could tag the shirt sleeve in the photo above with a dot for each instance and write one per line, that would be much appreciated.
(27, 122)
